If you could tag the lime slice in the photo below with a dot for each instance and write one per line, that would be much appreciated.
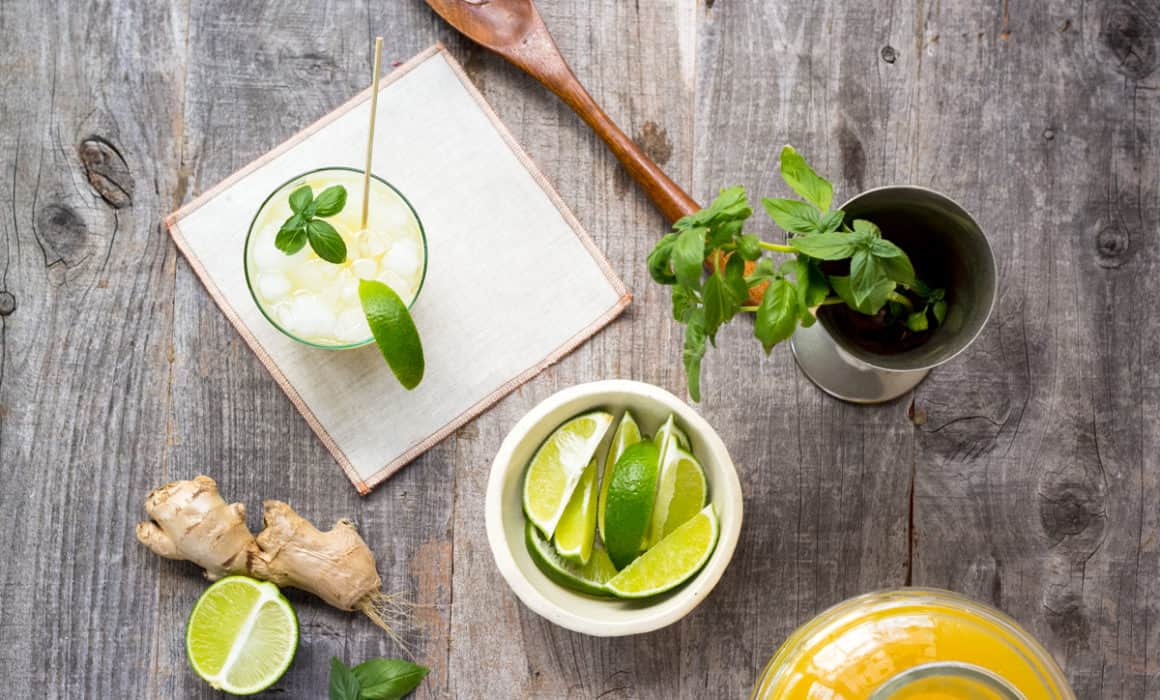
(588, 578)
(671, 562)
(394, 331)
(627, 433)
(241, 635)
(557, 466)
(577, 526)
(681, 493)
(631, 494)
(670, 429)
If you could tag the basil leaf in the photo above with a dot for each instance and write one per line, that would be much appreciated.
(749, 247)
(300, 199)
(898, 269)
(882, 248)
(917, 321)
(693, 352)
(832, 221)
(940, 311)
(716, 302)
(685, 302)
(689, 257)
(330, 201)
(388, 679)
(290, 239)
(762, 273)
(874, 303)
(735, 279)
(809, 282)
(325, 241)
(343, 683)
(825, 246)
(865, 274)
(802, 179)
(659, 260)
(868, 228)
(792, 215)
(777, 316)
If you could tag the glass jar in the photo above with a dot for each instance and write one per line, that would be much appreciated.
(911, 644)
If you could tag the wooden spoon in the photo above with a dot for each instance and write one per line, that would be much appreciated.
(514, 30)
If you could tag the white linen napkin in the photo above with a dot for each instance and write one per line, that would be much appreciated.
(513, 282)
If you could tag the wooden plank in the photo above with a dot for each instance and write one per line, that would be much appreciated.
(90, 151)
(1038, 486)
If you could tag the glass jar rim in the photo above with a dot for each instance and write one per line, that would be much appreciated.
(250, 234)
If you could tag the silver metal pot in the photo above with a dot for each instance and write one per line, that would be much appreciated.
(948, 249)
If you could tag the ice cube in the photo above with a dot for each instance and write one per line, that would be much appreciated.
(372, 243)
(311, 317)
(352, 326)
(273, 286)
(267, 258)
(314, 275)
(403, 259)
(347, 289)
(401, 286)
(365, 268)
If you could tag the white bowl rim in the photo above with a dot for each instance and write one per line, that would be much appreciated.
(693, 593)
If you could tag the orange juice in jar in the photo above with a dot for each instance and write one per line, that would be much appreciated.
(912, 644)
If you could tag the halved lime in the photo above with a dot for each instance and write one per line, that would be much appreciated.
(631, 494)
(241, 635)
(668, 430)
(674, 560)
(577, 526)
(588, 578)
(681, 493)
(627, 433)
(394, 331)
(557, 466)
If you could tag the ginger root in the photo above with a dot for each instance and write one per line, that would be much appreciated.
(190, 521)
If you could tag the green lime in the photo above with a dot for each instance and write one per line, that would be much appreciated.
(241, 635)
(394, 331)
(588, 578)
(627, 433)
(558, 465)
(681, 493)
(669, 430)
(631, 494)
(577, 526)
(674, 560)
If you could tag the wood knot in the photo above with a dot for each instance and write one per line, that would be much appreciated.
(1065, 616)
(107, 171)
(1129, 43)
(1111, 247)
(1049, 134)
(7, 303)
(889, 54)
(62, 233)
(1069, 509)
(654, 140)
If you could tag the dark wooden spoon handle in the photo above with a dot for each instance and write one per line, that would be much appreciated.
(537, 54)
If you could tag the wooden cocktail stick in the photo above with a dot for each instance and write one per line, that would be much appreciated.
(371, 132)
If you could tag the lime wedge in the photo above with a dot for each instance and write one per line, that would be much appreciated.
(681, 493)
(669, 430)
(394, 331)
(627, 433)
(558, 465)
(631, 494)
(241, 635)
(577, 526)
(674, 560)
(588, 578)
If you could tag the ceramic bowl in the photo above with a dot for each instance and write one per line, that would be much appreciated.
(605, 617)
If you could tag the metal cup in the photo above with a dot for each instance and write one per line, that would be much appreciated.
(948, 249)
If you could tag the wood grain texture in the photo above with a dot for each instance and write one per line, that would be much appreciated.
(1023, 473)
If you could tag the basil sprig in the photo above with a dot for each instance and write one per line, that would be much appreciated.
(303, 225)
(374, 679)
(881, 274)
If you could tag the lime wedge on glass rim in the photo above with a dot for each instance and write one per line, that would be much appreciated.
(588, 578)
(673, 560)
(557, 466)
(394, 331)
(577, 527)
(627, 434)
(242, 635)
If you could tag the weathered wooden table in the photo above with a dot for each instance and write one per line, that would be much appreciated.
(1024, 473)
